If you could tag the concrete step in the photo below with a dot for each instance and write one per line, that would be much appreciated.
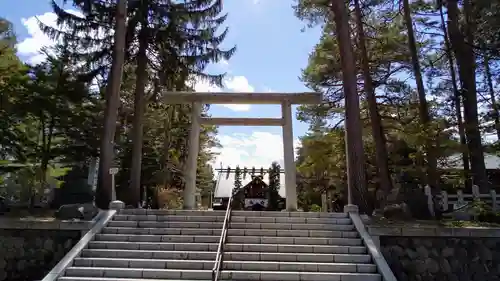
(153, 246)
(240, 275)
(228, 265)
(161, 231)
(291, 248)
(144, 263)
(172, 224)
(121, 228)
(297, 257)
(107, 272)
(264, 248)
(173, 218)
(163, 212)
(323, 220)
(188, 218)
(294, 240)
(67, 278)
(234, 225)
(290, 226)
(151, 273)
(158, 238)
(265, 266)
(231, 239)
(293, 233)
(142, 254)
(228, 256)
(288, 214)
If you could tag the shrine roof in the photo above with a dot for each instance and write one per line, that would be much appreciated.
(225, 183)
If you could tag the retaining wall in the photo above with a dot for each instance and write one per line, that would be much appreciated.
(428, 253)
(29, 249)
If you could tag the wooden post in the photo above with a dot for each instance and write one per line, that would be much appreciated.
(493, 200)
(430, 204)
(444, 200)
(475, 192)
(324, 202)
(460, 198)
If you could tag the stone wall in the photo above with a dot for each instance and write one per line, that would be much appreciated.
(436, 258)
(29, 250)
(441, 254)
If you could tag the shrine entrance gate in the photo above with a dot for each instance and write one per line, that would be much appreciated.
(196, 99)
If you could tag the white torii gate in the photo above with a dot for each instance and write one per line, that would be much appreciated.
(199, 98)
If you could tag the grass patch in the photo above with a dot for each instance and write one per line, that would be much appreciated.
(26, 214)
(454, 223)
(441, 223)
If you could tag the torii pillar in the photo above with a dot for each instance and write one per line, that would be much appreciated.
(192, 159)
(289, 158)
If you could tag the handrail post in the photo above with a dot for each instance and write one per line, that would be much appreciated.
(219, 258)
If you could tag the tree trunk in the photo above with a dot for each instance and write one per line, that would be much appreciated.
(423, 109)
(356, 177)
(381, 154)
(494, 106)
(467, 73)
(103, 192)
(167, 124)
(47, 148)
(137, 123)
(458, 103)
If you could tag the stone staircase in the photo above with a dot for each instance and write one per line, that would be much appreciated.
(295, 246)
(182, 245)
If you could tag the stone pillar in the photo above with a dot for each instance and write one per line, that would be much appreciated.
(116, 205)
(289, 158)
(191, 164)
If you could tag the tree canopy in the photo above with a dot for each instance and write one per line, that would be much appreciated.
(53, 112)
(427, 83)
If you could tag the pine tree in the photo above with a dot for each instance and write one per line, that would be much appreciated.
(274, 186)
(191, 28)
(356, 176)
(237, 178)
(174, 39)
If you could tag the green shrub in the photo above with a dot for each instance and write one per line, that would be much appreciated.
(315, 208)
(484, 213)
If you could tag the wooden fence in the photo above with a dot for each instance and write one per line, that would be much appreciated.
(460, 199)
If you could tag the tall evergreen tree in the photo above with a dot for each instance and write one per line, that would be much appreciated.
(274, 186)
(174, 39)
(237, 178)
(356, 178)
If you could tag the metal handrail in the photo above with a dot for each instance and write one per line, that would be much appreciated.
(219, 259)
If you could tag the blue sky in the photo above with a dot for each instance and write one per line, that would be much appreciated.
(272, 50)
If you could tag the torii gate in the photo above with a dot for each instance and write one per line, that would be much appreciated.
(199, 98)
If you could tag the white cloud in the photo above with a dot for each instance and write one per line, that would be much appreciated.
(204, 86)
(224, 64)
(238, 84)
(31, 46)
(231, 84)
(258, 149)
